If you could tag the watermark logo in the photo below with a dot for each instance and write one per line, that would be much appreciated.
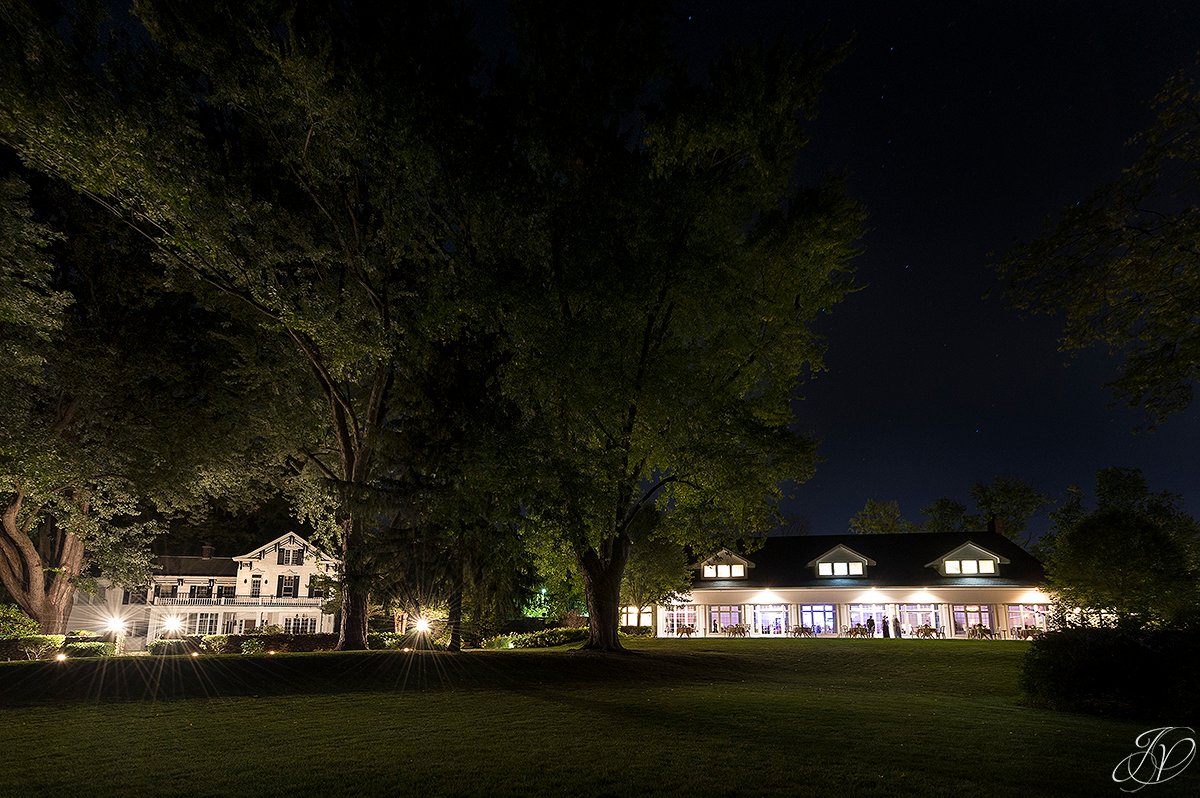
(1162, 755)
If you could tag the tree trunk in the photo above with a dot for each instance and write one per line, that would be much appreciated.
(602, 586)
(44, 590)
(355, 587)
(456, 612)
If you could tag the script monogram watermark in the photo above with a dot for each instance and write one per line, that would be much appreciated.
(1162, 755)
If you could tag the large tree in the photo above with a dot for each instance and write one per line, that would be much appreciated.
(1135, 555)
(662, 268)
(880, 517)
(1008, 503)
(1124, 266)
(290, 163)
(115, 412)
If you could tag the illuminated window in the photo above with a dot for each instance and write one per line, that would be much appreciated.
(710, 571)
(970, 567)
(840, 569)
(722, 617)
(678, 616)
(737, 571)
(722, 571)
(631, 616)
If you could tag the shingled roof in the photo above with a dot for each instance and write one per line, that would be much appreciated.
(902, 560)
(171, 565)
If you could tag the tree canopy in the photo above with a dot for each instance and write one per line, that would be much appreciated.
(880, 517)
(1124, 267)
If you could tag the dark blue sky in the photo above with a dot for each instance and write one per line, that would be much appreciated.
(963, 126)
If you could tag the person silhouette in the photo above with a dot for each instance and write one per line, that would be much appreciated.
(886, 631)
(871, 626)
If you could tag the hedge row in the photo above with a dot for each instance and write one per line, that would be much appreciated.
(90, 648)
(1140, 674)
(543, 639)
(30, 647)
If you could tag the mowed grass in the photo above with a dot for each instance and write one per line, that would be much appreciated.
(676, 717)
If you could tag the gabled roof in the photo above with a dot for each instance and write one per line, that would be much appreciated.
(972, 549)
(842, 550)
(900, 560)
(286, 539)
(171, 566)
(725, 557)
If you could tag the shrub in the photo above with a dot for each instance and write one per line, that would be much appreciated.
(15, 623)
(1135, 673)
(96, 648)
(253, 645)
(499, 641)
(637, 631)
(40, 646)
(167, 646)
(549, 637)
(217, 644)
(380, 640)
(83, 633)
(267, 629)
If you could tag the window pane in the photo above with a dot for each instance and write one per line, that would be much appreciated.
(987, 567)
(737, 570)
(970, 567)
(952, 567)
(723, 571)
(856, 569)
(710, 571)
(825, 568)
(839, 569)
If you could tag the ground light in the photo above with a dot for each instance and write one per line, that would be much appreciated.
(422, 625)
(172, 623)
(61, 657)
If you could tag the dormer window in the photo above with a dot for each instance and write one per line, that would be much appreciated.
(841, 561)
(969, 559)
(840, 569)
(725, 571)
(724, 565)
(970, 567)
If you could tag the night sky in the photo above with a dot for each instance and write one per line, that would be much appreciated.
(963, 127)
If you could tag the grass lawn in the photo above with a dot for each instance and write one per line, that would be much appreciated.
(678, 717)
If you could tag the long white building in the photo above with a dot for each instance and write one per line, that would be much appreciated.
(280, 583)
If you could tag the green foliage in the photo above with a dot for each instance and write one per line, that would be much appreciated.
(217, 644)
(1137, 555)
(1146, 674)
(1010, 502)
(15, 623)
(545, 638)
(1122, 266)
(97, 648)
(878, 517)
(637, 631)
(658, 571)
(174, 646)
(944, 515)
(40, 646)
(253, 646)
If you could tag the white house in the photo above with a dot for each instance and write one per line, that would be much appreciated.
(955, 584)
(280, 583)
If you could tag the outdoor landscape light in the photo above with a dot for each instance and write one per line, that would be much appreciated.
(422, 625)
(61, 657)
(195, 653)
(172, 623)
(115, 624)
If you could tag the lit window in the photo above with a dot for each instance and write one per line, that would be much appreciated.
(987, 567)
(856, 569)
(722, 571)
(737, 571)
(710, 571)
(952, 567)
(825, 568)
(970, 566)
(839, 569)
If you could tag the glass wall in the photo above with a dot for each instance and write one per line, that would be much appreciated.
(1026, 618)
(968, 616)
(677, 616)
(771, 619)
(821, 618)
(723, 616)
(859, 613)
(913, 616)
(631, 617)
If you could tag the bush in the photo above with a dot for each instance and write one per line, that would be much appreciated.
(499, 641)
(549, 637)
(168, 646)
(1134, 673)
(218, 644)
(637, 631)
(15, 623)
(33, 646)
(97, 648)
(377, 641)
(253, 645)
